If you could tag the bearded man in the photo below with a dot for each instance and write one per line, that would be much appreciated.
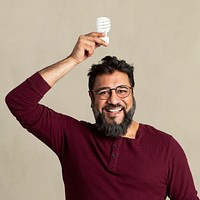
(116, 158)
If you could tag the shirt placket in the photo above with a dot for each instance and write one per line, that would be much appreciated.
(114, 154)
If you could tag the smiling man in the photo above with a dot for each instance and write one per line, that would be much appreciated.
(116, 158)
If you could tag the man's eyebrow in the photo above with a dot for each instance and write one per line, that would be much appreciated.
(101, 88)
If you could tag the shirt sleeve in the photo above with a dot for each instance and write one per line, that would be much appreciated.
(38, 119)
(180, 181)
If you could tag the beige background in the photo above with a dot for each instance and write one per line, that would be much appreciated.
(162, 40)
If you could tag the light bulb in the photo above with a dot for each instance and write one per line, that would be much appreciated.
(103, 26)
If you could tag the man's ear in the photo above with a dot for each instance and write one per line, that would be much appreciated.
(91, 94)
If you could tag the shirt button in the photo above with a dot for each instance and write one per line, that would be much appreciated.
(115, 146)
(113, 155)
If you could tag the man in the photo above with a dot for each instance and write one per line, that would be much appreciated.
(116, 158)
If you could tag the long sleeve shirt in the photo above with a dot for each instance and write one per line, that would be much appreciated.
(95, 167)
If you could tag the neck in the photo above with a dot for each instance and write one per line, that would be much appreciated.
(132, 130)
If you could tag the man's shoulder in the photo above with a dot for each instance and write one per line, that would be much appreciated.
(154, 133)
(159, 139)
(73, 122)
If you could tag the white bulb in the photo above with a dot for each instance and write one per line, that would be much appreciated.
(103, 26)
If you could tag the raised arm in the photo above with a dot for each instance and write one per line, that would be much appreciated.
(83, 49)
(23, 101)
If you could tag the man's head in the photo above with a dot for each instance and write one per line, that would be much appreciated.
(111, 85)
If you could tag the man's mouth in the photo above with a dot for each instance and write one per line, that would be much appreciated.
(114, 110)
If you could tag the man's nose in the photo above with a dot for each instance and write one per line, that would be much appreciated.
(113, 99)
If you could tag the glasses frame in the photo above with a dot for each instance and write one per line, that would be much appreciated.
(110, 91)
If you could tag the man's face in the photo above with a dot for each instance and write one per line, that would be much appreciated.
(114, 111)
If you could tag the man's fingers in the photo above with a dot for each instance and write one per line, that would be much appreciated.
(86, 45)
(92, 41)
(97, 38)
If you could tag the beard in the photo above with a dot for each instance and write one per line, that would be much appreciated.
(114, 129)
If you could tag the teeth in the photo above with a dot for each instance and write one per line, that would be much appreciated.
(115, 110)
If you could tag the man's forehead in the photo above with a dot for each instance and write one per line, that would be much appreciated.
(111, 80)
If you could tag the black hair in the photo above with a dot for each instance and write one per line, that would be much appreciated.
(108, 65)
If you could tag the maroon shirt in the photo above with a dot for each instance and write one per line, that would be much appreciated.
(96, 167)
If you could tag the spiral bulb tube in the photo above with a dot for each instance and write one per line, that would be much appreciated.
(103, 26)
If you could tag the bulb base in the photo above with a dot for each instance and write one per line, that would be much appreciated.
(106, 39)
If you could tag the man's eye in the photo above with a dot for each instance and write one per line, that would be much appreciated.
(122, 91)
(103, 92)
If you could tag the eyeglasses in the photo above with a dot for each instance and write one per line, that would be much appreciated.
(122, 91)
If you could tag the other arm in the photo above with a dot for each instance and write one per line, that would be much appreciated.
(180, 181)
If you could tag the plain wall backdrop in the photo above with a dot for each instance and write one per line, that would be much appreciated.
(161, 39)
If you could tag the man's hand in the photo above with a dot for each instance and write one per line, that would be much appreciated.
(86, 46)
